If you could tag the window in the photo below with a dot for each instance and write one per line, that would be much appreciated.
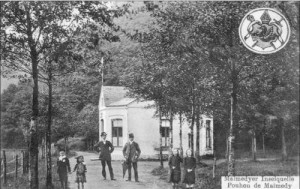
(165, 132)
(117, 132)
(208, 134)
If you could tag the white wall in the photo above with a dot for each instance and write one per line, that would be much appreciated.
(110, 113)
(141, 121)
(203, 149)
(185, 130)
(145, 126)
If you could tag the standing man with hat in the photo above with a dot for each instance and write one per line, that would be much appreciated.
(132, 152)
(106, 148)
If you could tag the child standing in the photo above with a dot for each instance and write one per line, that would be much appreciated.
(80, 169)
(63, 167)
(175, 171)
(189, 164)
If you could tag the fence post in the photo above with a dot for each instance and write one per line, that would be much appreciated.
(0, 169)
(16, 167)
(27, 161)
(4, 168)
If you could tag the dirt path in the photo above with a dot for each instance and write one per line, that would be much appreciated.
(147, 180)
(95, 180)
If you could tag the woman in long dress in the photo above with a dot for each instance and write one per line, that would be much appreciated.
(175, 170)
(189, 164)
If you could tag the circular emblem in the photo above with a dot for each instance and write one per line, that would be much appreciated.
(264, 31)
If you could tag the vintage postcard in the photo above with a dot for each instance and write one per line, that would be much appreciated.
(149, 94)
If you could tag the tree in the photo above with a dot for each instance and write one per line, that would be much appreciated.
(219, 38)
(27, 36)
(37, 34)
(213, 38)
(277, 93)
(15, 106)
(88, 124)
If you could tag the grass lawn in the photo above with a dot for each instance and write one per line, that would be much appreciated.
(247, 168)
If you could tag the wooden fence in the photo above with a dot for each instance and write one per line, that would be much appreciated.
(19, 164)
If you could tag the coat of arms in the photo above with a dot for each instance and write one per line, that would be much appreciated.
(264, 31)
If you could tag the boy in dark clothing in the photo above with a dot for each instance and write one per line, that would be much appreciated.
(63, 167)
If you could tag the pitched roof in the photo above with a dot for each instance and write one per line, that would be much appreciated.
(123, 102)
(115, 96)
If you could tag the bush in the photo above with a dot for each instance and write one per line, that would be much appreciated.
(60, 146)
(76, 143)
(207, 156)
(12, 138)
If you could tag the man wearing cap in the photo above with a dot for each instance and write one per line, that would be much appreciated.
(131, 152)
(106, 148)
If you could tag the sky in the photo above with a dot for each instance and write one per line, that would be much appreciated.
(5, 82)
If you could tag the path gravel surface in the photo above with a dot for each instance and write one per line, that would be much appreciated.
(95, 179)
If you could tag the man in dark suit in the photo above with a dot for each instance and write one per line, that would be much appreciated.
(106, 148)
(132, 152)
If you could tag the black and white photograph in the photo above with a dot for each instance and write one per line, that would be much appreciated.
(149, 94)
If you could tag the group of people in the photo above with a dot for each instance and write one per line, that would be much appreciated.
(63, 168)
(131, 153)
(189, 164)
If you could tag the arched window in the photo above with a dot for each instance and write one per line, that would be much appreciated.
(117, 132)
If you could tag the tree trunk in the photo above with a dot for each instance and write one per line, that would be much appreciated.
(86, 144)
(48, 136)
(283, 142)
(33, 143)
(33, 156)
(226, 151)
(214, 166)
(4, 168)
(254, 146)
(16, 169)
(198, 137)
(27, 161)
(263, 145)
(180, 134)
(191, 128)
(233, 105)
(160, 140)
(191, 138)
(43, 147)
(171, 131)
(263, 138)
(214, 153)
(66, 138)
(92, 145)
